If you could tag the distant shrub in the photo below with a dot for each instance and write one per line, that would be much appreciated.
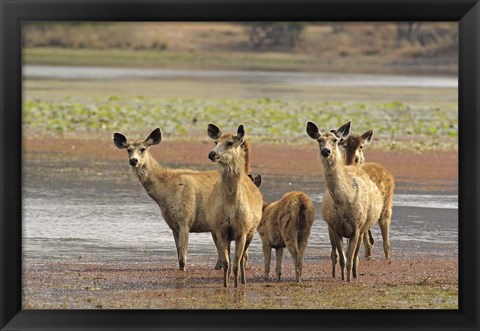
(263, 35)
(87, 35)
(418, 33)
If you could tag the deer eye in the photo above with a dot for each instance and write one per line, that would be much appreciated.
(230, 143)
(129, 150)
(335, 140)
(142, 149)
(361, 147)
(216, 142)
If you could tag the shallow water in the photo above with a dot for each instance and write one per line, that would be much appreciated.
(116, 221)
(241, 76)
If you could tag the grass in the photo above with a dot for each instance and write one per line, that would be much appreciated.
(396, 124)
(166, 58)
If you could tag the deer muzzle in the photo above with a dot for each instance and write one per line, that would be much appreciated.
(213, 156)
(133, 162)
(325, 152)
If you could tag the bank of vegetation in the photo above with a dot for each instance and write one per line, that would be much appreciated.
(290, 46)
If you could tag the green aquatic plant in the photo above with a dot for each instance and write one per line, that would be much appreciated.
(268, 119)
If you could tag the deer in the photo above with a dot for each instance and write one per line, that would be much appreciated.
(286, 223)
(351, 203)
(234, 208)
(181, 194)
(382, 177)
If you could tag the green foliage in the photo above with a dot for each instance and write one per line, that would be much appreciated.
(269, 119)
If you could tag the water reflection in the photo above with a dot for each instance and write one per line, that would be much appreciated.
(241, 76)
(92, 222)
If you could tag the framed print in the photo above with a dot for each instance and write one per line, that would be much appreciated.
(155, 154)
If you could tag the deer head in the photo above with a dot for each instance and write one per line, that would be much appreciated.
(137, 149)
(227, 145)
(328, 141)
(353, 147)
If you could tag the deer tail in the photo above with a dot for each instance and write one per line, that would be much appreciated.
(305, 220)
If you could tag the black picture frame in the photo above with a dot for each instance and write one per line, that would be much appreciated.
(13, 12)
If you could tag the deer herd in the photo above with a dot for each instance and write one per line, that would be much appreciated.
(229, 204)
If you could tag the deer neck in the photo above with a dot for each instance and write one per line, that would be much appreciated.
(150, 172)
(336, 179)
(231, 174)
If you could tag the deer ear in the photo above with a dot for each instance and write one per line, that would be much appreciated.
(367, 137)
(258, 180)
(120, 140)
(154, 138)
(341, 140)
(343, 131)
(312, 130)
(214, 132)
(240, 132)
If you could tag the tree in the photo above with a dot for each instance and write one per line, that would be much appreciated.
(414, 33)
(275, 34)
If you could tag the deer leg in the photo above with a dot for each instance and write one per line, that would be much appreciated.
(229, 249)
(333, 255)
(302, 245)
(341, 255)
(176, 238)
(278, 265)
(298, 267)
(182, 248)
(352, 246)
(384, 224)
(222, 246)
(368, 242)
(244, 260)
(292, 246)
(218, 265)
(355, 256)
(239, 249)
(267, 256)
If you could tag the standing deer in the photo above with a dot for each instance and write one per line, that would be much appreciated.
(351, 202)
(382, 177)
(181, 194)
(234, 207)
(286, 223)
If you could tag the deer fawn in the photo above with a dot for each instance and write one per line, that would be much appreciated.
(181, 194)
(351, 202)
(286, 223)
(382, 177)
(234, 207)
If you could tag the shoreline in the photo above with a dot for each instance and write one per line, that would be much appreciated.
(238, 61)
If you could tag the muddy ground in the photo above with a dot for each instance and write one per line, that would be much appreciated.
(405, 282)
